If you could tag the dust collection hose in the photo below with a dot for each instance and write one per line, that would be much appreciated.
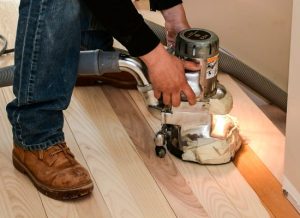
(114, 62)
(96, 62)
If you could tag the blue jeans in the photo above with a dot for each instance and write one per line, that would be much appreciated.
(50, 35)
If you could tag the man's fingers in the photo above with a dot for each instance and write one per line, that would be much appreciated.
(176, 99)
(166, 99)
(189, 93)
(157, 94)
(190, 65)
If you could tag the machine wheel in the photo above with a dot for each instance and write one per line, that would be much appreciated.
(160, 151)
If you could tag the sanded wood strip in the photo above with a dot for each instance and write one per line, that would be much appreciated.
(126, 184)
(173, 185)
(253, 204)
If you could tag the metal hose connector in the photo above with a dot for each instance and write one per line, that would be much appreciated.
(135, 67)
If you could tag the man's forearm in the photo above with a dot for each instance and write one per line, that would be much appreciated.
(175, 21)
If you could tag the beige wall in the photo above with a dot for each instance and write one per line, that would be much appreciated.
(292, 151)
(256, 31)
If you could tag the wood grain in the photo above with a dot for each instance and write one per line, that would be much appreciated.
(250, 208)
(257, 168)
(172, 184)
(18, 198)
(197, 177)
(126, 184)
(238, 191)
(267, 187)
(94, 206)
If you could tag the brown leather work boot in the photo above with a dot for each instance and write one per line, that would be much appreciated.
(54, 171)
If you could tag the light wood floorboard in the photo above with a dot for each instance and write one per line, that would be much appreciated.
(111, 133)
(257, 130)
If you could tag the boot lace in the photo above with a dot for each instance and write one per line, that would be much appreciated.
(62, 147)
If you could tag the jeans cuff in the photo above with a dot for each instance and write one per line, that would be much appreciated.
(43, 145)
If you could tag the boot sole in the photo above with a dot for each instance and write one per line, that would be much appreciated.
(58, 194)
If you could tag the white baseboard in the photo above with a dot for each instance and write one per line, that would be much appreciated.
(292, 193)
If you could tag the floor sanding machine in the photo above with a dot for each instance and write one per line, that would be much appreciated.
(202, 133)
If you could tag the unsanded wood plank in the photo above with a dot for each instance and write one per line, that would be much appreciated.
(249, 207)
(125, 183)
(171, 182)
(238, 190)
(264, 183)
(93, 206)
(260, 161)
(258, 131)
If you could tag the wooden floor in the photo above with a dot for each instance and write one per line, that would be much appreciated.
(111, 133)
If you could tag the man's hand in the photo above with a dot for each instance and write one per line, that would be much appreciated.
(175, 21)
(166, 74)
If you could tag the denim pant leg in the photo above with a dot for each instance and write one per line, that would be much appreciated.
(46, 58)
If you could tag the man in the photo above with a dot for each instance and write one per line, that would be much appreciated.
(46, 57)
